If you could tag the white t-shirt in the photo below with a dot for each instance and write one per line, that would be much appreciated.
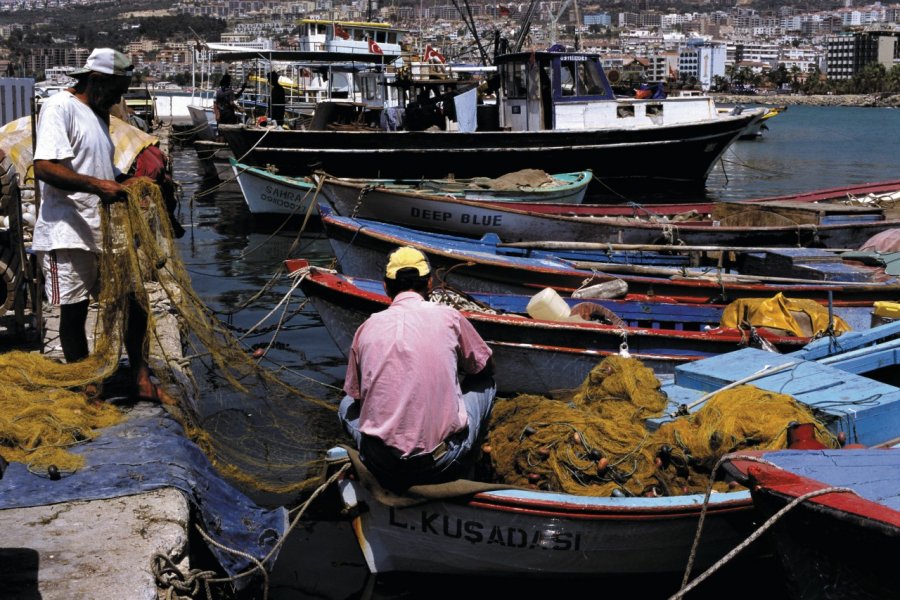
(70, 132)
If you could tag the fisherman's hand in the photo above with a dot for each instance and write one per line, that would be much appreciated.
(110, 191)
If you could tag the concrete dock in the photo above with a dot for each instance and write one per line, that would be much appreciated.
(98, 549)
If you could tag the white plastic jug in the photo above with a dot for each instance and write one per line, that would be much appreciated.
(547, 305)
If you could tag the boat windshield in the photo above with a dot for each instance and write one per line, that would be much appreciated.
(516, 80)
(579, 78)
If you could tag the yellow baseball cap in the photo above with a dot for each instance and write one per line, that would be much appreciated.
(406, 257)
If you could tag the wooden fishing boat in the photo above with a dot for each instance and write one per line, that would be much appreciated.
(268, 192)
(842, 540)
(362, 246)
(539, 533)
(534, 355)
(573, 120)
(822, 218)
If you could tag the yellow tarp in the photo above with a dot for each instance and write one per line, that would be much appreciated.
(15, 140)
(803, 318)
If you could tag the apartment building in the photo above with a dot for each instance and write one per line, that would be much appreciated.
(804, 58)
(704, 61)
(847, 54)
(749, 50)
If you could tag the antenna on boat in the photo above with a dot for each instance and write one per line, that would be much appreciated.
(470, 24)
(525, 27)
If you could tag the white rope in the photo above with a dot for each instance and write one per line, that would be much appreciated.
(259, 564)
(685, 587)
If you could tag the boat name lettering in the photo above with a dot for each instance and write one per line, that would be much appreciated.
(430, 215)
(277, 197)
(573, 58)
(476, 532)
(464, 218)
(280, 192)
(476, 219)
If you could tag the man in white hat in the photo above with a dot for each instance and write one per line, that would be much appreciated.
(73, 162)
(419, 386)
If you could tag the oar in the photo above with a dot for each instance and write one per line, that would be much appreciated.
(556, 245)
(764, 372)
(678, 273)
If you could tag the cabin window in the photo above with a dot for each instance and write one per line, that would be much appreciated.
(567, 78)
(516, 80)
(654, 110)
(392, 37)
(589, 83)
(359, 35)
(579, 79)
(625, 111)
(379, 37)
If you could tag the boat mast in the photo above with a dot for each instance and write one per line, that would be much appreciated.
(470, 23)
(525, 28)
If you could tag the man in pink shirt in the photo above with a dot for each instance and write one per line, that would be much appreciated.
(419, 386)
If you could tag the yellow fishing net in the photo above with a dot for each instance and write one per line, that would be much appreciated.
(42, 411)
(593, 441)
(802, 318)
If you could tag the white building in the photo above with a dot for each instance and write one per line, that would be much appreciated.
(704, 61)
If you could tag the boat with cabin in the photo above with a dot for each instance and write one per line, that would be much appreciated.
(555, 111)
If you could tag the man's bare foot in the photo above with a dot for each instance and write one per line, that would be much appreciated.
(149, 391)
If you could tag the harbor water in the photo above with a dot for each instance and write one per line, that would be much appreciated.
(233, 257)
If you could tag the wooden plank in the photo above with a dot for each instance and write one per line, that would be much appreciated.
(846, 342)
(775, 213)
(561, 245)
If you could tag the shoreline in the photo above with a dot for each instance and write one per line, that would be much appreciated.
(881, 100)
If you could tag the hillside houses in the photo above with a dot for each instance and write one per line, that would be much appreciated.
(692, 48)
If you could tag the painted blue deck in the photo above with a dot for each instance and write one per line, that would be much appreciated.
(873, 474)
(868, 411)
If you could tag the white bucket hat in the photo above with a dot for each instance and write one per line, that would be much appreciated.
(108, 61)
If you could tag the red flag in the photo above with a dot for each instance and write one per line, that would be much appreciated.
(339, 32)
(504, 11)
(432, 55)
(374, 48)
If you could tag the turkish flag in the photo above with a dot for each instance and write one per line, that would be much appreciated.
(374, 48)
(432, 55)
(339, 32)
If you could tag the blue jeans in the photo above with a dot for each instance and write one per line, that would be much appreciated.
(446, 464)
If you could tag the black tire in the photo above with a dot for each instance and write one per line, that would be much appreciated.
(9, 183)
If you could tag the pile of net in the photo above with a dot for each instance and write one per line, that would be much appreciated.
(517, 180)
(44, 411)
(594, 441)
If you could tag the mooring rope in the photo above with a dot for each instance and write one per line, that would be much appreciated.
(169, 576)
(685, 586)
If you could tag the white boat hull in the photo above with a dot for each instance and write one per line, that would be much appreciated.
(542, 533)
(269, 194)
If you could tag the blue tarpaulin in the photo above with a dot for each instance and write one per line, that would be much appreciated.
(146, 453)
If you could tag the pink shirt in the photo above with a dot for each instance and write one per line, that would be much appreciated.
(403, 368)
